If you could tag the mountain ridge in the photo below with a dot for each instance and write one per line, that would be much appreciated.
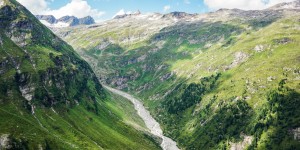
(65, 21)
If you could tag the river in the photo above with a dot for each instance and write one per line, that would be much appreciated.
(151, 123)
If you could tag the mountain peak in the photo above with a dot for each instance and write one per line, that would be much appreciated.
(286, 5)
(65, 21)
(88, 20)
(120, 16)
(178, 15)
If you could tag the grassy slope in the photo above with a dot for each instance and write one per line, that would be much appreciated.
(247, 81)
(77, 128)
(241, 93)
(73, 112)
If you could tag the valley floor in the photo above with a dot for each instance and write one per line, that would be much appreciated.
(151, 123)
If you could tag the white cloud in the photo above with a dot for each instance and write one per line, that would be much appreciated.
(122, 12)
(167, 7)
(243, 4)
(78, 8)
(187, 2)
(35, 6)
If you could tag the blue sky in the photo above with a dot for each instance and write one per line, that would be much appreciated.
(105, 9)
(113, 6)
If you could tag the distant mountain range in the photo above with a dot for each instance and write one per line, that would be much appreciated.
(65, 21)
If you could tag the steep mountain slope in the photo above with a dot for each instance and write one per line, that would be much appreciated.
(51, 99)
(227, 79)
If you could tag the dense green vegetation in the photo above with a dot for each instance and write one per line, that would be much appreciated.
(276, 119)
(191, 94)
(252, 102)
(51, 99)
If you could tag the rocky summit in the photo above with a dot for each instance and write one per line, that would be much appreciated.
(65, 21)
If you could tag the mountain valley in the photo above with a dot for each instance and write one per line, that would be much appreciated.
(51, 99)
(228, 79)
(211, 80)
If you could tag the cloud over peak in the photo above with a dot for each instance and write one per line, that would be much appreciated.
(35, 6)
(243, 4)
(78, 8)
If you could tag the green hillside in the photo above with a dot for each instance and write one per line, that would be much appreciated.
(51, 99)
(217, 81)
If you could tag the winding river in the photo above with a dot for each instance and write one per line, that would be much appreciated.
(151, 123)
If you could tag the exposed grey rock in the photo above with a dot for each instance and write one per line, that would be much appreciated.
(103, 45)
(20, 38)
(243, 144)
(88, 20)
(290, 5)
(296, 133)
(166, 76)
(142, 58)
(283, 40)
(239, 58)
(27, 92)
(259, 48)
(271, 78)
(5, 142)
(178, 15)
(2, 3)
(1, 43)
(127, 15)
(49, 18)
(71, 20)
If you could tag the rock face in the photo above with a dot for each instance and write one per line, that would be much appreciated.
(178, 15)
(86, 20)
(41, 76)
(1, 3)
(7, 142)
(49, 18)
(296, 133)
(291, 5)
(243, 144)
(137, 13)
(65, 21)
(71, 20)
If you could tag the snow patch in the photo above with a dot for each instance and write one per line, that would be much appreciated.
(56, 25)
(61, 25)
(46, 23)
